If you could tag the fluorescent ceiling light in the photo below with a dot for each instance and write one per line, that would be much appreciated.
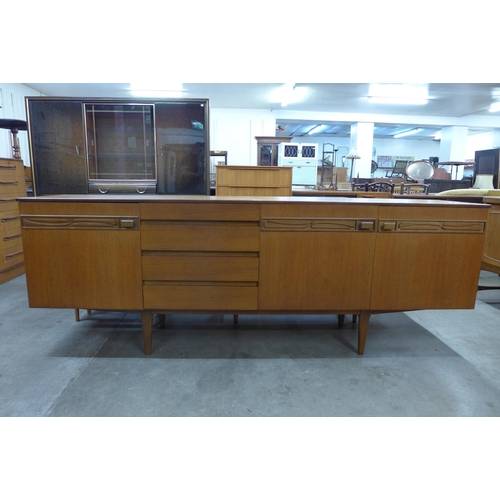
(396, 100)
(495, 107)
(156, 89)
(408, 132)
(316, 129)
(288, 93)
(398, 93)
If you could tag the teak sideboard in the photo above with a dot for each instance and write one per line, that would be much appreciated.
(241, 255)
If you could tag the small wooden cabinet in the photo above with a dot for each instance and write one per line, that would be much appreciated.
(12, 186)
(253, 181)
(267, 149)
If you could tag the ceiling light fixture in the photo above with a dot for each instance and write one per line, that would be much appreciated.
(397, 100)
(408, 132)
(288, 93)
(398, 93)
(495, 107)
(316, 129)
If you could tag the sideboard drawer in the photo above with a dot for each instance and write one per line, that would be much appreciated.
(200, 297)
(192, 211)
(204, 236)
(200, 267)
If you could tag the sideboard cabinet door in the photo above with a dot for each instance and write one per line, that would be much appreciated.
(82, 255)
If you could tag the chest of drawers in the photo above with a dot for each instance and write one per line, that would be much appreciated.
(12, 186)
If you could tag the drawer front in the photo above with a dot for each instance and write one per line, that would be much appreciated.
(289, 161)
(10, 273)
(200, 297)
(11, 256)
(200, 267)
(12, 187)
(253, 177)
(242, 237)
(200, 211)
(11, 237)
(254, 191)
(11, 170)
(9, 220)
(304, 162)
(8, 202)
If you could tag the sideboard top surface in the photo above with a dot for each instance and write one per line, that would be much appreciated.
(295, 200)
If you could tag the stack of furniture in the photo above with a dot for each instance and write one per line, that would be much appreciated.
(12, 186)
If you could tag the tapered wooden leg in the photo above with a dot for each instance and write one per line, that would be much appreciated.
(147, 330)
(340, 320)
(77, 314)
(161, 320)
(235, 318)
(364, 318)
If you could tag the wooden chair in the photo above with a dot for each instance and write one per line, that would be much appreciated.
(414, 188)
(377, 187)
(399, 169)
(381, 187)
(359, 186)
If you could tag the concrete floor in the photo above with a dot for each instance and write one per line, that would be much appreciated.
(426, 363)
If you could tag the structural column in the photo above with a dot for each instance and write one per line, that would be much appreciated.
(362, 140)
(453, 146)
(496, 139)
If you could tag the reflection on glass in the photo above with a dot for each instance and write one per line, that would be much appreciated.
(120, 142)
(181, 139)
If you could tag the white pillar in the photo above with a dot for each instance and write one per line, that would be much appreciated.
(496, 139)
(362, 140)
(453, 147)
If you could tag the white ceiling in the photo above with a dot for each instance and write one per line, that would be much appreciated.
(337, 105)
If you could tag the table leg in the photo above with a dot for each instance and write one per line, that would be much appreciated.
(161, 320)
(364, 318)
(147, 330)
(340, 320)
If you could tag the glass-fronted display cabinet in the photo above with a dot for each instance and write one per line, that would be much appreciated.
(267, 149)
(99, 145)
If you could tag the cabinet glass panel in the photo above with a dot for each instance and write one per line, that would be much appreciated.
(57, 146)
(181, 138)
(308, 151)
(291, 151)
(120, 142)
(266, 155)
